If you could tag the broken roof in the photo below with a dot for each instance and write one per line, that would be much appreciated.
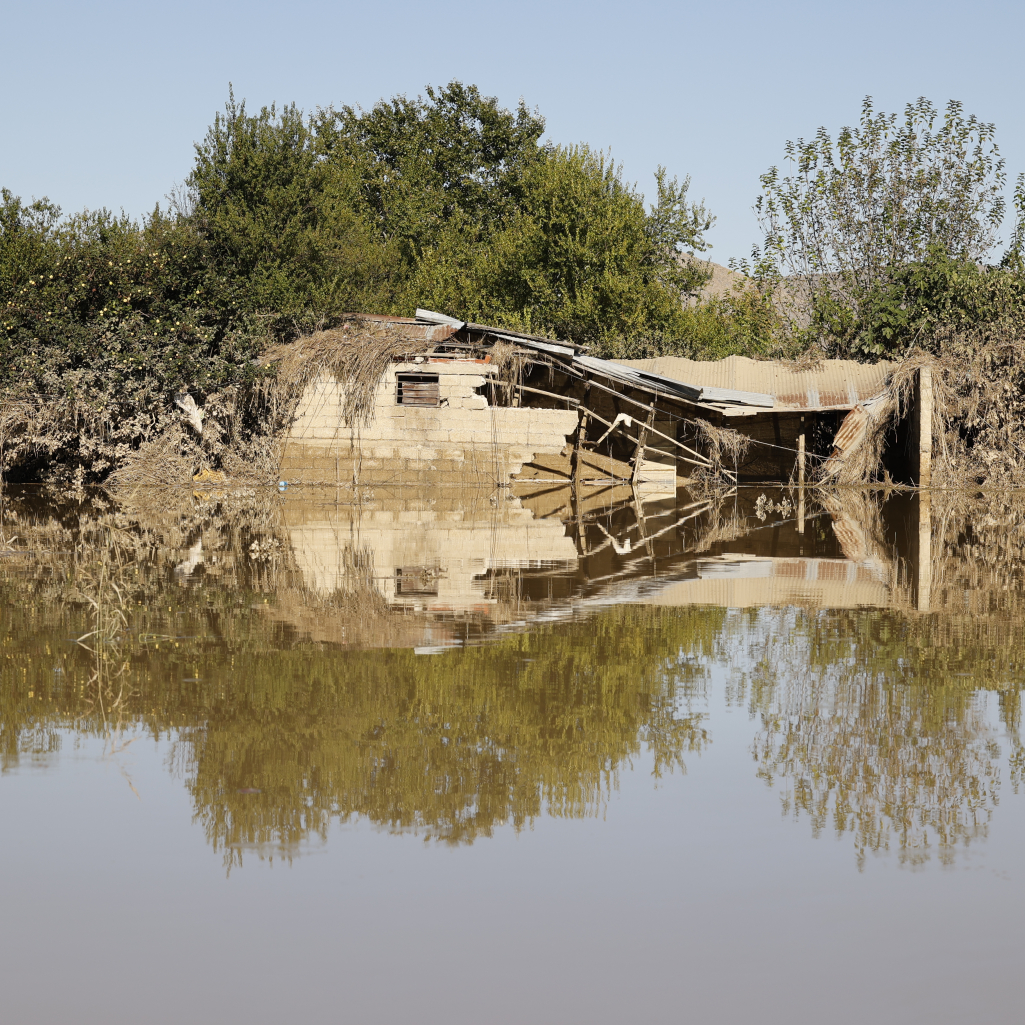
(735, 386)
(829, 384)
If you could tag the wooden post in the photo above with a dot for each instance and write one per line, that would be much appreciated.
(800, 481)
(642, 437)
(578, 497)
(924, 551)
(923, 415)
(583, 415)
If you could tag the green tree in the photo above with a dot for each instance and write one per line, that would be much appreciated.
(887, 194)
(581, 257)
(454, 156)
(449, 201)
(287, 236)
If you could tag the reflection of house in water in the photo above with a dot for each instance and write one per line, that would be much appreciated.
(748, 551)
(427, 551)
(442, 558)
(746, 581)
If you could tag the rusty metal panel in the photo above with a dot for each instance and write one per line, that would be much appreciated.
(852, 430)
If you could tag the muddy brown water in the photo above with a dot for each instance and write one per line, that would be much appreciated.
(545, 755)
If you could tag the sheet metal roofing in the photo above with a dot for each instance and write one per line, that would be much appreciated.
(829, 384)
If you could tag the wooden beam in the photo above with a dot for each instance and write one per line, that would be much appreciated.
(924, 551)
(642, 437)
(696, 462)
(924, 417)
(539, 391)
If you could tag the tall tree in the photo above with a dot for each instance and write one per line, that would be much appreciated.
(888, 193)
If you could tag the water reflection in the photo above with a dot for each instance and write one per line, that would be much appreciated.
(451, 662)
(856, 738)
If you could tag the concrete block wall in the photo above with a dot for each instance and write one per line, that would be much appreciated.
(463, 437)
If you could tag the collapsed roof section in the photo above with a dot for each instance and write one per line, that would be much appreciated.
(735, 386)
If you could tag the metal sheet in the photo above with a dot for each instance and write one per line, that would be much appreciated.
(744, 398)
(629, 373)
(829, 384)
(530, 343)
(439, 318)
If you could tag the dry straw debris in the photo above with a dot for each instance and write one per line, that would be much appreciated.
(724, 448)
(356, 353)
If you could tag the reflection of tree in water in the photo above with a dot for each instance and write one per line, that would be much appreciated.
(871, 720)
(865, 737)
(449, 746)
(276, 736)
(278, 731)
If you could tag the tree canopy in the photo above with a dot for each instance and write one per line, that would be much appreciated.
(855, 215)
(448, 201)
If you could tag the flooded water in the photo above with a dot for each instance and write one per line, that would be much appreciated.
(553, 755)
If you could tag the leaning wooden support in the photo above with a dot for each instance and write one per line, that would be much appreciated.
(640, 405)
(696, 462)
(642, 437)
(538, 391)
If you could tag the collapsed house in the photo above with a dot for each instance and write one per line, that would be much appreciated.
(452, 402)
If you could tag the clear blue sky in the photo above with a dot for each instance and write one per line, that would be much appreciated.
(102, 101)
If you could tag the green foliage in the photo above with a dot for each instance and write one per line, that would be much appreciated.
(101, 321)
(855, 215)
(286, 222)
(742, 322)
(918, 300)
(455, 156)
(285, 234)
(580, 258)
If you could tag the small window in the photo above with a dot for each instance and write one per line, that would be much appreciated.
(417, 390)
(416, 581)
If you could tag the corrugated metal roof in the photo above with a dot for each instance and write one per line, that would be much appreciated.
(620, 371)
(829, 384)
